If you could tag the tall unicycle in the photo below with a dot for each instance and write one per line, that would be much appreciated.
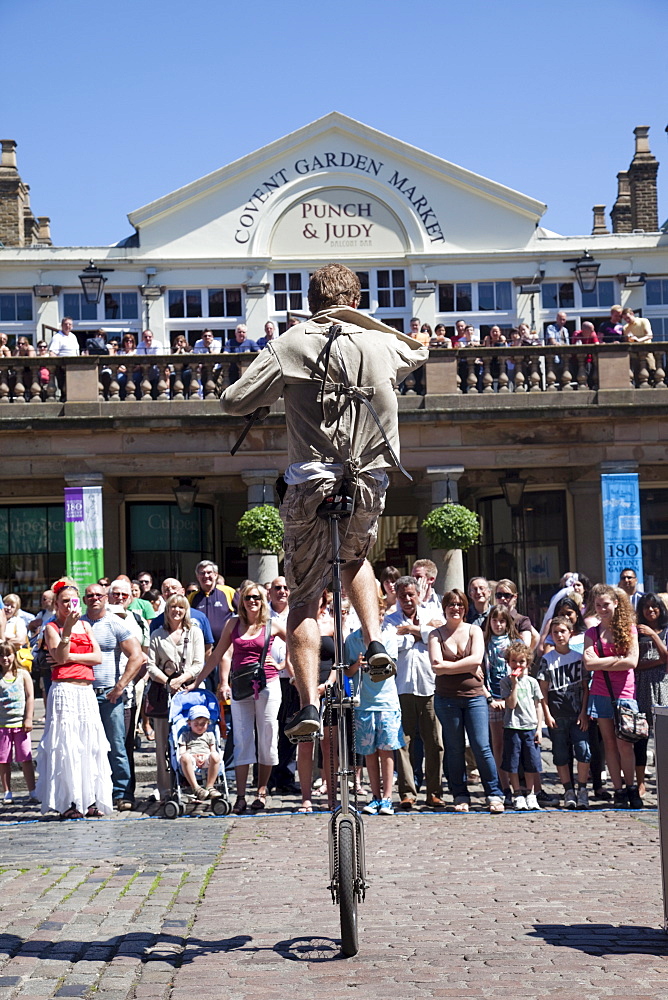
(347, 867)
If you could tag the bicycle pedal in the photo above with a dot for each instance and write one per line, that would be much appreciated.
(379, 674)
(309, 738)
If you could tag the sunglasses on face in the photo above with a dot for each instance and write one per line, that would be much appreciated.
(252, 597)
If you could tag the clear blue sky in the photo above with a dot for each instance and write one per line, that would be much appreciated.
(115, 104)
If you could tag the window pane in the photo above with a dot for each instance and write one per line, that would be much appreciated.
(280, 283)
(504, 295)
(364, 285)
(216, 302)
(281, 301)
(566, 296)
(446, 298)
(398, 279)
(383, 279)
(486, 295)
(176, 307)
(606, 291)
(71, 305)
(193, 302)
(652, 292)
(111, 306)
(295, 282)
(234, 302)
(590, 299)
(664, 287)
(295, 300)
(56, 526)
(88, 309)
(383, 298)
(24, 306)
(7, 308)
(464, 303)
(129, 305)
(548, 292)
(27, 529)
(399, 299)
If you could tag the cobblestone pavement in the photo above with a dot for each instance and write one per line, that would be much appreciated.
(558, 905)
(550, 905)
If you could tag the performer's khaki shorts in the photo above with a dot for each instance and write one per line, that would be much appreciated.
(307, 543)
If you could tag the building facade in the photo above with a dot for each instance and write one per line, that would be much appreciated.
(428, 239)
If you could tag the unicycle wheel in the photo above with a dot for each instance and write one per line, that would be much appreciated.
(347, 884)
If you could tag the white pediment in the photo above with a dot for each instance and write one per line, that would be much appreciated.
(333, 187)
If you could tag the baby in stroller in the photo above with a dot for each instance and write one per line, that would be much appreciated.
(193, 746)
(196, 749)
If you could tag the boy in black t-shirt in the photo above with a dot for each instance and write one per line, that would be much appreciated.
(563, 681)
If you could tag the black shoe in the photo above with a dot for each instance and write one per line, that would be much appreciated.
(635, 801)
(289, 789)
(602, 793)
(620, 799)
(306, 722)
(546, 800)
(381, 664)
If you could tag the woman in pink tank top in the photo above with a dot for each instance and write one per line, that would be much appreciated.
(240, 645)
(611, 649)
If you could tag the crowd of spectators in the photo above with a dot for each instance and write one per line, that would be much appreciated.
(478, 684)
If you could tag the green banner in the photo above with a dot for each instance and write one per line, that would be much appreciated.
(84, 540)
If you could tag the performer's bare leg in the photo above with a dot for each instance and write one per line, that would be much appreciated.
(359, 580)
(304, 650)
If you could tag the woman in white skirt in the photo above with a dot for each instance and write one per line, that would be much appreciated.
(74, 772)
(240, 645)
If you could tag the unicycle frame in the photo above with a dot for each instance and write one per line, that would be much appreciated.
(344, 705)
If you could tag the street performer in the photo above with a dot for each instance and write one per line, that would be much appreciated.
(337, 373)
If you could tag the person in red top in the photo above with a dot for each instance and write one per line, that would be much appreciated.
(612, 648)
(587, 335)
(241, 645)
(74, 772)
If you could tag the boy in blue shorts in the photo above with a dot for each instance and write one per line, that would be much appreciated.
(378, 731)
(522, 724)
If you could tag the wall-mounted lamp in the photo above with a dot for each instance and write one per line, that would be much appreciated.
(185, 494)
(634, 280)
(586, 271)
(46, 291)
(256, 291)
(513, 485)
(92, 282)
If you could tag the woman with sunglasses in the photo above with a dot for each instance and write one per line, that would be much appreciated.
(129, 347)
(506, 594)
(240, 645)
(651, 678)
(456, 651)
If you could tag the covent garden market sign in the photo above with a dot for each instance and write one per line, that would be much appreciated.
(338, 217)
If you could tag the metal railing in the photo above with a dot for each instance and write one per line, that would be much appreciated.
(474, 372)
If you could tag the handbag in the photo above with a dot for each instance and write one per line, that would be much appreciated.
(629, 725)
(156, 701)
(251, 679)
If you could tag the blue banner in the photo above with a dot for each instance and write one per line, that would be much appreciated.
(622, 545)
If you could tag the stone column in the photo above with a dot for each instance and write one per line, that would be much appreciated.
(262, 565)
(444, 480)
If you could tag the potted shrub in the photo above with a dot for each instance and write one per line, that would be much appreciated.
(452, 526)
(260, 531)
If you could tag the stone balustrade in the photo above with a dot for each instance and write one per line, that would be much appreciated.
(478, 373)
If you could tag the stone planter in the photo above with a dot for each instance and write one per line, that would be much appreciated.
(450, 564)
(262, 566)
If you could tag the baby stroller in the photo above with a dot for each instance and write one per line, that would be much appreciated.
(179, 706)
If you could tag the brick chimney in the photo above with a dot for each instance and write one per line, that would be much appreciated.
(599, 228)
(642, 179)
(621, 210)
(18, 225)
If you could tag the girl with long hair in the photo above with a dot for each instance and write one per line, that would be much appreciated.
(612, 648)
(651, 678)
(498, 633)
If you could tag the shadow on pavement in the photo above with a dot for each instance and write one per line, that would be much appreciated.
(164, 947)
(604, 939)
